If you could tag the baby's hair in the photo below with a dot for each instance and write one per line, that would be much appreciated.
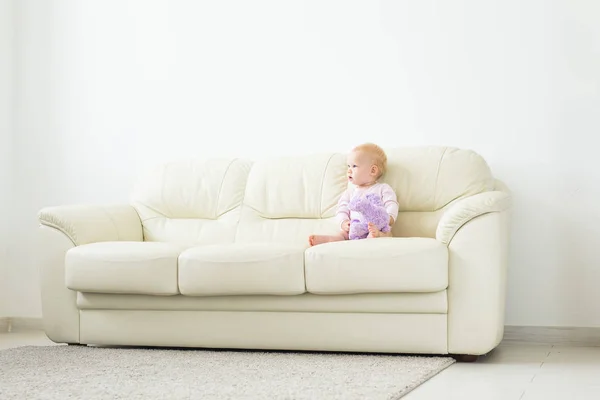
(379, 156)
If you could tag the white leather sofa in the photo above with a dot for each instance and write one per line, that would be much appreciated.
(215, 254)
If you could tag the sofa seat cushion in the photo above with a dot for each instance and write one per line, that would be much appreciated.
(123, 267)
(242, 269)
(379, 265)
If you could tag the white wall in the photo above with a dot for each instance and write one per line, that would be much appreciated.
(117, 85)
(6, 118)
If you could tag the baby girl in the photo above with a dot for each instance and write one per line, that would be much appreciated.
(366, 164)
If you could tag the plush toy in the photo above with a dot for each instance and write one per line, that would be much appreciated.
(371, 209)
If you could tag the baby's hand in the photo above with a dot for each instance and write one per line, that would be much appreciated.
(346, 226)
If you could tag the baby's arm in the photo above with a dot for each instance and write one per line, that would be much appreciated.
(390, 202)
(343, 211)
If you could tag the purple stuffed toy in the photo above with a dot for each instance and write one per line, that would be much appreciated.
(371, 209)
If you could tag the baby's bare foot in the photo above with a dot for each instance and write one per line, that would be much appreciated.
(374, 232)
(314, 240)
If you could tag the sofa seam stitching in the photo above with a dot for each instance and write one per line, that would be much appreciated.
(113, 223)
(60, 229)
(437, 176)
(243, 202)
(458, 228)
(323, 185)
(216, 214)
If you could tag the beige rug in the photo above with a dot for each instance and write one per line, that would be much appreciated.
(74, 372)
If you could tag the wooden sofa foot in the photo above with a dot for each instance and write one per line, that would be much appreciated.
(465, 357)
(77, 344)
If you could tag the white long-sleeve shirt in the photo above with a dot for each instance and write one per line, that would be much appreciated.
(385, 191)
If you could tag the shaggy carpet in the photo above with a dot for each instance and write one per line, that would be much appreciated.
(61, 372)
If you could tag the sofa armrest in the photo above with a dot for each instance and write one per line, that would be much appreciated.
(62, 228)
(85, 224)
(476, 230)
(469, 208)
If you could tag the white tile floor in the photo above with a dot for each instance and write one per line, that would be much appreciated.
(511, 372)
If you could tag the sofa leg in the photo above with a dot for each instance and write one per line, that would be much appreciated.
(465, 357)
(77, 344)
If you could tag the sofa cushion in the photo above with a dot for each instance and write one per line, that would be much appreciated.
(289, 198)
(123, 267)
(296, 187)
(196, 201)
(236, 269)
(428, 178)
(377, 266)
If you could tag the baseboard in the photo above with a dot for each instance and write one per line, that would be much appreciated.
(26, 324)
(567, 336)
(555, 335)
(20, 324)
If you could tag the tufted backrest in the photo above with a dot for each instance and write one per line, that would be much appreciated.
(428, 179)
(192, 202)
(287, 198)
(291, 197)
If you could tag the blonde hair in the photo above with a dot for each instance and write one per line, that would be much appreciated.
(378, 154)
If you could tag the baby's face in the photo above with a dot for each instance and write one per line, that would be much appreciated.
(360, 170)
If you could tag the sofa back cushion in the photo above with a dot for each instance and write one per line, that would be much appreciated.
(192, 202)
(296, 187)
(288, 198)
(428, 179)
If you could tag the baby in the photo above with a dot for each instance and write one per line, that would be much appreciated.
(366, 164)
